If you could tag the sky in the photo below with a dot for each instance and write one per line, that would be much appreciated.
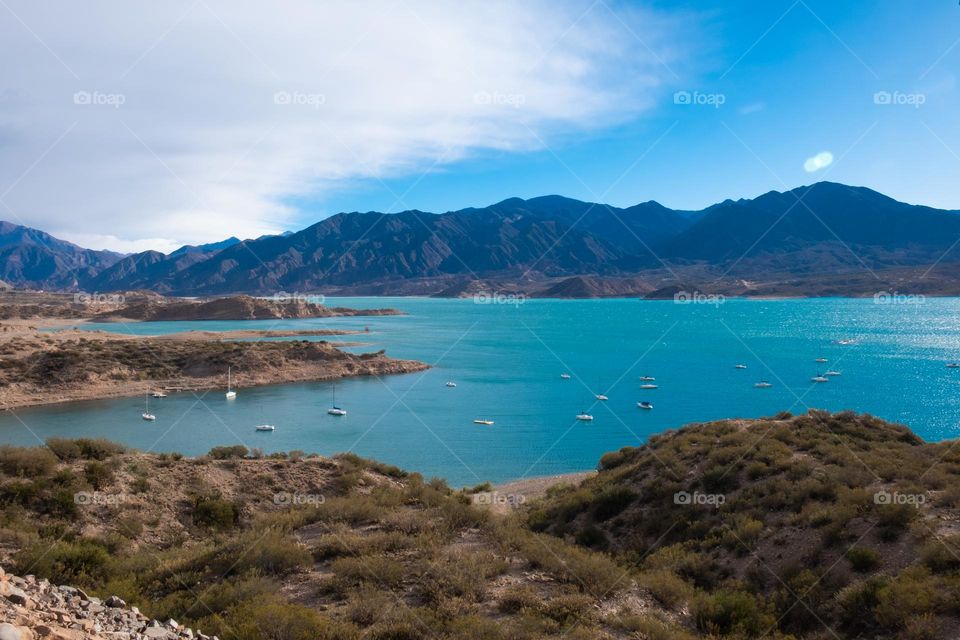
(137, 125)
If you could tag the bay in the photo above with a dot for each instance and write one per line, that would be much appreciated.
(506, 357)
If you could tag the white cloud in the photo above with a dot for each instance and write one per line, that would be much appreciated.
(820, 161)
(753, 107)
(162, 123)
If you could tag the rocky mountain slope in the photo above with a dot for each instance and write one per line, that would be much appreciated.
(776, 243)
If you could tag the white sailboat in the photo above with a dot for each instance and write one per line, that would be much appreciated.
(146, 415)
(583, 416)
(335, 410)
(230, 394)
(483, 421)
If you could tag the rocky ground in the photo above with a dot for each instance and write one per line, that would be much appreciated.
(41, 367)
(34, 609)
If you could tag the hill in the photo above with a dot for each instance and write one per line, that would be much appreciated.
(815, 526)
(295, 547)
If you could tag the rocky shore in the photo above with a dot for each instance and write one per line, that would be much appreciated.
(64, 366)
(35, 609)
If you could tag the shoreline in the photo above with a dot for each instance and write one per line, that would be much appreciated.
(508, 496)
(139, 389)
(51, 368)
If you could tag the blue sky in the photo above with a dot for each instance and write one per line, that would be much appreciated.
(142, 125)
(798, 79)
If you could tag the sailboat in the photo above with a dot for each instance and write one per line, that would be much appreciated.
(230, 394)
(264, 426)
(335, 410)
(146, 415)
(483, 421)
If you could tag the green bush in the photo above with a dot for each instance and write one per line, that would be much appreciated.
(83, 563)
(215, 512)
(27, 462)
(228, 453)
(281, 621)
(98, 474)
(863, 559)
(732, 612)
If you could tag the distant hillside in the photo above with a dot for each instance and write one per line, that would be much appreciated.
(32, 258)
(792, 243)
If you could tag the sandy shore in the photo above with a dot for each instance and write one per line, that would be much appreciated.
(512, 495)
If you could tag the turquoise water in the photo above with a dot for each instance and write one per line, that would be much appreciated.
(507, 359)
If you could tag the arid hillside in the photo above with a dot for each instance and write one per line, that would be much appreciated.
(814, 526)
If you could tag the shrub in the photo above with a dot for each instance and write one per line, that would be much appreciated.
(98, 474)
(611, 502)
(943, 555)
(729, 612)
(378, 571)
(76, 563)
(27, 462)
(517, 599)
(270, 552)
(215, 512)
(280, 621)
(227, 453)
(667, 588)
(863, 559)
(912, 592)
(84, 448)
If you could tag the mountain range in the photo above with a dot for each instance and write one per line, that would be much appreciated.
(821, 239)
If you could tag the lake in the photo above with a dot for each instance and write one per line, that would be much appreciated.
(506, 358)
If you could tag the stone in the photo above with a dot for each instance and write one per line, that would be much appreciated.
(43, 630)
(18, 596)
(9, 632)
(114, 602)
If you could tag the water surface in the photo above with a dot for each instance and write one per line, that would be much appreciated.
(507, 359)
